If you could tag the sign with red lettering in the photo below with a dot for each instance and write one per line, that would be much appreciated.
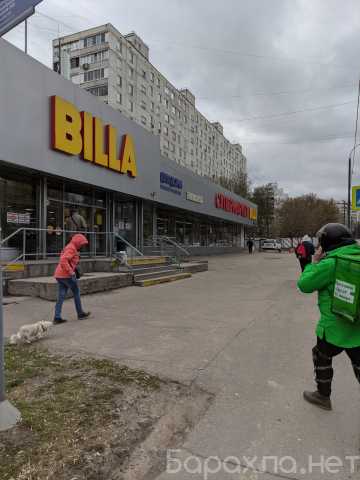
(233, 206)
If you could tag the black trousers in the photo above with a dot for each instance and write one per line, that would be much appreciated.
(323, 354)
(304, 262)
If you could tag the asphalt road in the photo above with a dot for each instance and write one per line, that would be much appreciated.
(243, 332)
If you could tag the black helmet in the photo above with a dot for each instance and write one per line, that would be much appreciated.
(334, 235)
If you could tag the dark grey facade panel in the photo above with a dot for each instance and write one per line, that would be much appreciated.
(25, 90)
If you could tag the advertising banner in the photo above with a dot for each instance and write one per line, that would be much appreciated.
(13, 12)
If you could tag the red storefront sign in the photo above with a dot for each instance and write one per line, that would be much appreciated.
(232, 206)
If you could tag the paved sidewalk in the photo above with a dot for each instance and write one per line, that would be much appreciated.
(242, 331)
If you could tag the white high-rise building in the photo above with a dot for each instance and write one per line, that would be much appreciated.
(117, 69)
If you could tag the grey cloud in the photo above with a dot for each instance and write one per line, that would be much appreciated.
(240, 48)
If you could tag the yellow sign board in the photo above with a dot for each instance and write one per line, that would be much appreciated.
(79, 133)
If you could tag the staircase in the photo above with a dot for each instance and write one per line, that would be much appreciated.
(148, 271)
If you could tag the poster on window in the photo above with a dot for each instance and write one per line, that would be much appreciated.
(12, 217)
(24, 218)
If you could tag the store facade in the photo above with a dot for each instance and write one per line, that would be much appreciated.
(64, 151)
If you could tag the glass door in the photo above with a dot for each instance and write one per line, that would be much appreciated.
(125, 223)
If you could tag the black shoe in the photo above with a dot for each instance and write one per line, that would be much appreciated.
(317, 399)
(84, 315)
(57, 321)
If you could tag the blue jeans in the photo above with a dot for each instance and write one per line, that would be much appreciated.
(64, 284)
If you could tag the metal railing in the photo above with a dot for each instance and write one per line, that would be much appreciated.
(39, 243)
(167, 246)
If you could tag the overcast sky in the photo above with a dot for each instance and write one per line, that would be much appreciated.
(245, 60)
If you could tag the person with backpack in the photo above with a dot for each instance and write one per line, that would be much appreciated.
(304, 251)
(335, 332)
(66, 275)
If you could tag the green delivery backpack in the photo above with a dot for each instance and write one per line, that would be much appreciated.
(346, 296)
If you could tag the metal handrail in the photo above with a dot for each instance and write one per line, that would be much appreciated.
(117, 235)
(176, 244)
(60, 232)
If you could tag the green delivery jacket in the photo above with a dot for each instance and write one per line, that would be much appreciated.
(320, 277)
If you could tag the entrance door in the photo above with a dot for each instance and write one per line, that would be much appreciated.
(125, 223)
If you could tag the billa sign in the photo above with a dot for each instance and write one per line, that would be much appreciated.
(80, 133)
(233, 206)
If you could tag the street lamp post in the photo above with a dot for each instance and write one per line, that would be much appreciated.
(9, 415)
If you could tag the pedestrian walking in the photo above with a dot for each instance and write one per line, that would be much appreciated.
(67, 274)
(304, 252)
(75, 222)
(335, 333)
(250, 245)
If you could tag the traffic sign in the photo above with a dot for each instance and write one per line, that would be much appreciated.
(356, 198)
(13, 12)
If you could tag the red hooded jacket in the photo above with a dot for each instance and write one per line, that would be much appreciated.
(69, 257)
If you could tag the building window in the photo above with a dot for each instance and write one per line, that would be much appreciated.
(143, 73)
(152, 77)
(94, 75)
(166, 144)
(131, 72)
(166, 130)
(151, 90)
(173, 110)
(131, 56)
(95, 57)
(143, 89)
(152, 106)
(101, 91)
(143, 120)
(131, 106)
(131, 89)
(174, 136)
(119, 81)
(166, 116)
(119, 98)
(74, 62)
(143, 105)
(158, 82)
(167, 91)
(172, 147)
(94, 40)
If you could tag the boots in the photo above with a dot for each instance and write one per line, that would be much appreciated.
(317, 399)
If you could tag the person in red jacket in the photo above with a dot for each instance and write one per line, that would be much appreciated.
(66, 277)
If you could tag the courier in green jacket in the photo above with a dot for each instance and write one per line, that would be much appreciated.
(334, 334)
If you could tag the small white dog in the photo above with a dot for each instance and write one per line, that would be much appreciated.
(30, 333)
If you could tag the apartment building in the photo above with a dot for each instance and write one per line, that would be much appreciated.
(117, 69)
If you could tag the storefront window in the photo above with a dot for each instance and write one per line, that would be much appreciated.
(148, 222)
(75, 208)
(19, 209)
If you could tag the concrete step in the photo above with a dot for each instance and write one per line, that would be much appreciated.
(139, 269)
(162, 273)
(46, 287)
(151, 260)
(164, 279)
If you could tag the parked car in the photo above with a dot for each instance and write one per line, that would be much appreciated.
(271, 244)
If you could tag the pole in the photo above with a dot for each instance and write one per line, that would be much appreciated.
(349, 195)
(2, 360)
(9, 415)
(26, 36)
